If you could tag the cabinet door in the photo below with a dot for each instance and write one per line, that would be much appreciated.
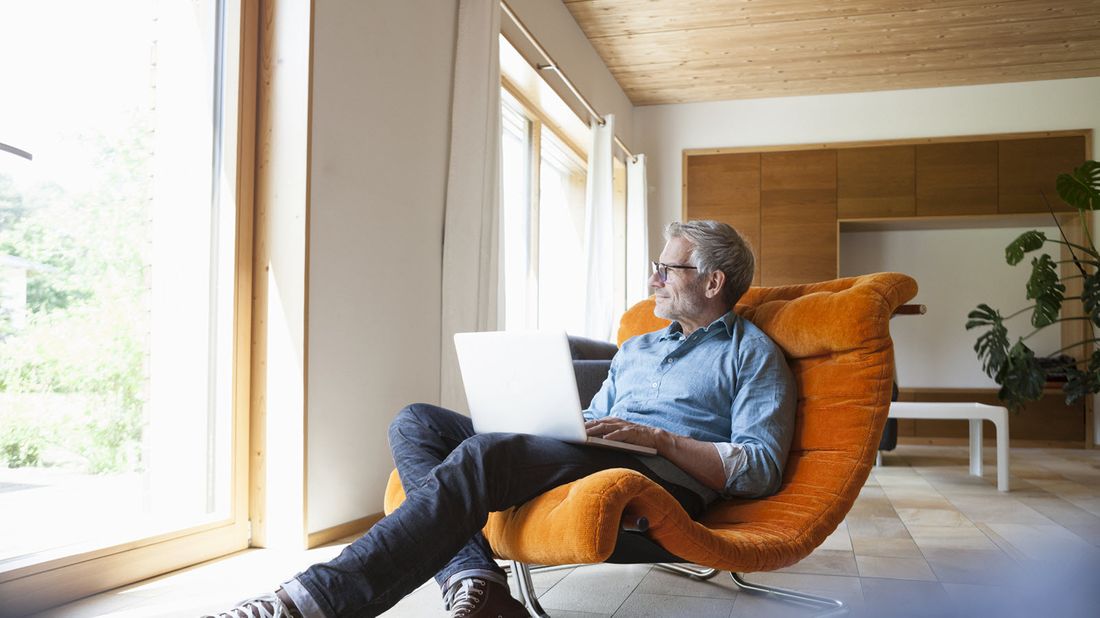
(798, 225)
(726, 187)
(1029, 167)
(957, 178)
(876, 182)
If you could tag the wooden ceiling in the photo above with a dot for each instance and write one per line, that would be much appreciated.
(676, 51)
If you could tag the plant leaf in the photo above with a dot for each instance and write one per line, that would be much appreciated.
(1020, 376)
(1081, 189)
(1024, 243)
(1080, 383)
(992, 345)
(1090, 297)
(1046, 289)
(984, 315)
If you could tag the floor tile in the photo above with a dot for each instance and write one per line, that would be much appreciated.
(893, 548)
(933, 517)
(894, 568)
(950, 537)
(877, 527)
(895, 598)
(825, 562)
(1043, 542)
(642, 605)
(595, 589)
(969, 566)
(660, 581)
(1006, 510)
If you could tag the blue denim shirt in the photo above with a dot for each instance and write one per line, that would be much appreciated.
(726, 383)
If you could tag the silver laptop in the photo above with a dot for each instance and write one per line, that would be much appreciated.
(523, 382)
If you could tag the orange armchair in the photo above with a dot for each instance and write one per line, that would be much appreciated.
(836, 337)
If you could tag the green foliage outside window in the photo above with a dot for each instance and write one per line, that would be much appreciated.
(84, 344)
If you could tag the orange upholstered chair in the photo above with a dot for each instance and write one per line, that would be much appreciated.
(836, 337)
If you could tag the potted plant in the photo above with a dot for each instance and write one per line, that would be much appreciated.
(1020, 374)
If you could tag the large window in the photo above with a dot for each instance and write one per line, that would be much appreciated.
(118, 277)
(543, 206)
(543, 210)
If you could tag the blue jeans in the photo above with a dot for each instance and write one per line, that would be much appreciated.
(453, 479)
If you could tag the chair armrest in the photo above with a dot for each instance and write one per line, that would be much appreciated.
(581, 348)
(590, 376)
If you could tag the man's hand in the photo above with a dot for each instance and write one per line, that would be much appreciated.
(699, 459)
(612, 428)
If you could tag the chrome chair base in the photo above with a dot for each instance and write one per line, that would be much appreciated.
(829, 607)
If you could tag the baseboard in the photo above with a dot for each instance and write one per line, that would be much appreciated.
(988, 440)
(356, 527)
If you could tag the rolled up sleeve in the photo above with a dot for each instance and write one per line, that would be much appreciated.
(762, 426)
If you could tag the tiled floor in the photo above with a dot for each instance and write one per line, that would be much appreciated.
(923, 539)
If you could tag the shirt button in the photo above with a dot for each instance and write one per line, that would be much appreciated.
(654, 385)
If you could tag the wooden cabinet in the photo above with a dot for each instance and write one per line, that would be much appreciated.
(798, 223)
(957, 178)
(726, 187)
(1029, 167)
(876, 182)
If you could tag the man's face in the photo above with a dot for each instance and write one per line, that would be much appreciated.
(682, 296)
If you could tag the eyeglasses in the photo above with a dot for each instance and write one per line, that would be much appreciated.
(662, 269)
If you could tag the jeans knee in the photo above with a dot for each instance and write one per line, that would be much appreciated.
(492, 449)
(409, 415)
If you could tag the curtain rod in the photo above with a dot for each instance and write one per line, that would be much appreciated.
(553, 66)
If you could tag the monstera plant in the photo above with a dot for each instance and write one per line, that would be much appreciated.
(1014, 366)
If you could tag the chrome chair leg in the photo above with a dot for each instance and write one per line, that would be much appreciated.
(527, 589)
(832, 607)
(694, 572)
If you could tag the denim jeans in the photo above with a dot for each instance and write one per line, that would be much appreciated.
(453, 479)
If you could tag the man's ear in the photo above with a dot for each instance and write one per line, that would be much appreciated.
(715, 282)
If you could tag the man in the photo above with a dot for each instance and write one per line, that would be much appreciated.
(711, 393)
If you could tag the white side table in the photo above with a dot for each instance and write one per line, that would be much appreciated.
(973, 412)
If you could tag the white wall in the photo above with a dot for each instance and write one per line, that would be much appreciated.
(663, 132)
(380, 138)
(935, 349)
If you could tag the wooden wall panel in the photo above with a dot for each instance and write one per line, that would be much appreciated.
(798, 225)
(957, 179)
(726, 187)
(1029, 167)
(876, 182)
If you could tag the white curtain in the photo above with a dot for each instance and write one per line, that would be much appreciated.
(471, 272)
(637, 231)
(599, 233)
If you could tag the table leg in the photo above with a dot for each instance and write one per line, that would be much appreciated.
(1001, 425)
(975, 447)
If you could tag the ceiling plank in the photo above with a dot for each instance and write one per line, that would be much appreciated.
(664, 51)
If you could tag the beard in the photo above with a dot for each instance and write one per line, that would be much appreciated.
(679, 307)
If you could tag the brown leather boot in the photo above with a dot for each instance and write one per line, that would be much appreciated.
(479, 598)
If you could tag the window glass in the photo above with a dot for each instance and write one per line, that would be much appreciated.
(116, 273)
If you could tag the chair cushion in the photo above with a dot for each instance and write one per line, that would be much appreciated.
(836, 337)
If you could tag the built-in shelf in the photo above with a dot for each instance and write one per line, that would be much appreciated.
(951, 222)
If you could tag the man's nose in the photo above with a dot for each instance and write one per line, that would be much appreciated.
(655, 281)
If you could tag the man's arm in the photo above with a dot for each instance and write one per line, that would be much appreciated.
(697, 458)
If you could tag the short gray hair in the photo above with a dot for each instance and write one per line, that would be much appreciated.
(718, 247)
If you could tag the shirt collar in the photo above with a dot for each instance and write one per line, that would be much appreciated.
(676, 331)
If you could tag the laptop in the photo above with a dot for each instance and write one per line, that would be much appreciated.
(523, 382)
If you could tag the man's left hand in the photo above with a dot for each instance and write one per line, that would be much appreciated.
(612, 428)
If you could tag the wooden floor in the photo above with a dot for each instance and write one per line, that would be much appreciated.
(923, 539)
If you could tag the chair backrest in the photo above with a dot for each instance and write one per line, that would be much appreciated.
(836, 337)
